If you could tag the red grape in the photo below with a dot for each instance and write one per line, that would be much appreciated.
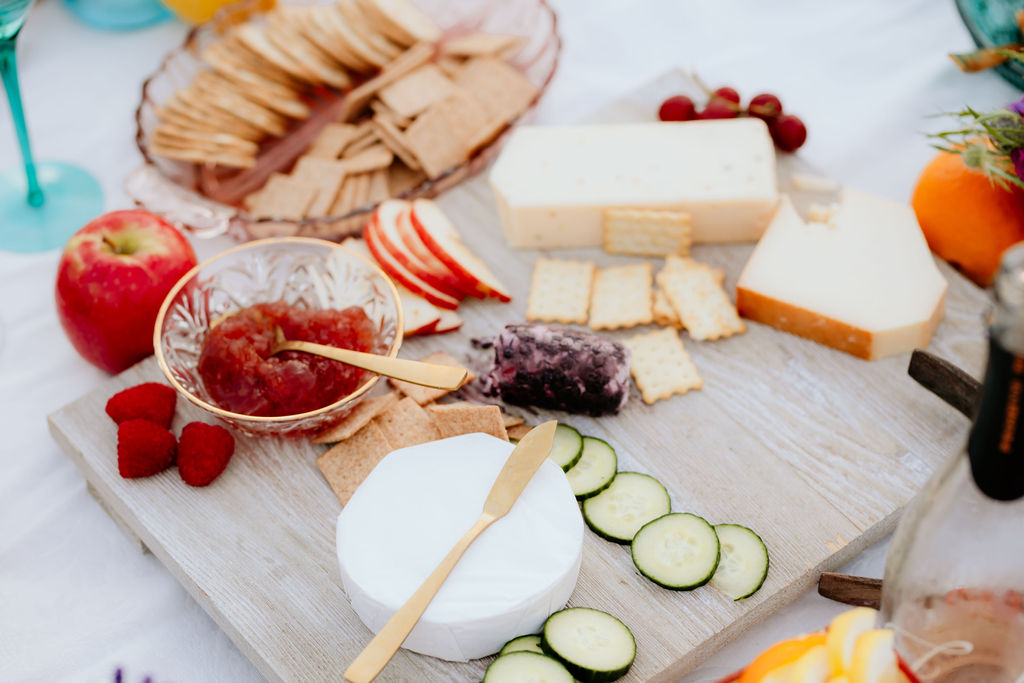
(765, 106)
(727, 93)
(788, 132)
(718, 108)
(678, 108)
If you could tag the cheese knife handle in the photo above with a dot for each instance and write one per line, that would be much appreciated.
(385, 644)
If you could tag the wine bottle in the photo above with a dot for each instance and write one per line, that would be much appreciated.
(954, 578)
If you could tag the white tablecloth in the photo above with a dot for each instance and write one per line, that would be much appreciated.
(76, 598)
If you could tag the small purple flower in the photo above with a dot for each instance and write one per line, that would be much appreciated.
(1017, 106)
(1017, 157)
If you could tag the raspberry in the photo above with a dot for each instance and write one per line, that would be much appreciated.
(203, 452)
(150, 401)
(144, 448)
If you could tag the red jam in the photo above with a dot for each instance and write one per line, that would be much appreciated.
(242, 376)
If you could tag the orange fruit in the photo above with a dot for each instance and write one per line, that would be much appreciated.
(966, 219)
(779, 655)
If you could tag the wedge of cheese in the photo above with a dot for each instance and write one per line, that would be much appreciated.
(552, 183)
(860, 279)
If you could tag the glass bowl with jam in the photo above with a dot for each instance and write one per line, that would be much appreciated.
(215, 332)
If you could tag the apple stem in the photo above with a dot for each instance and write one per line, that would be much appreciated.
(111, 244)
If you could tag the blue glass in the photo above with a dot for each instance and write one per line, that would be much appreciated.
(42, 205)
(119, 15)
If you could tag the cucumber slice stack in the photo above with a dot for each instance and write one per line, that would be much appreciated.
(632, 500)
(595, 469)
(744, 563)
(517, 667)
(593, 645)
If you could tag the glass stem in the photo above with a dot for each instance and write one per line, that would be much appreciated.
(9, 73)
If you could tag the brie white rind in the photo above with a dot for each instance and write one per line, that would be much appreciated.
(862, 280)
(410, 511)
(552, 183)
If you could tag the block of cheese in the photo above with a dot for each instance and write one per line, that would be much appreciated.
(552, 182)
(413, 507)
(861, 279)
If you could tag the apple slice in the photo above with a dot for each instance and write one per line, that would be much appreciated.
(443, 240)
(449, 322)
(401, 274)
(385, 224)
(411, 240)
(420, 316)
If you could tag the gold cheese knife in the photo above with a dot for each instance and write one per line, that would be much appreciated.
(529, 454)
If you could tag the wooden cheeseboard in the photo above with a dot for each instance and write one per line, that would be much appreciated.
(814, 449)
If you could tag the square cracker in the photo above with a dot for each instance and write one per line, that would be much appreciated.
(695, 292)
(518, 431)
(417, 90)
(282, 197)
(357, 419)
(560, 291)
(424, 395)
(664, 314)
(348, 463)
(461, 418)
(660, 365)
(326, 175)
(406, 424)
(622, 297)
(504, 92)
(440, 137)
(332, 140)
(647, 233)
(410, 60)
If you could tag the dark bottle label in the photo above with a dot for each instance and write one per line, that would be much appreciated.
(996, 444)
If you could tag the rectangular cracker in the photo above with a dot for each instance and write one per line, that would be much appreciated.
(518, 431)
(327, 176)
(664, 314)
(417, 90)
(440, 137)
(695, 292)
(647, 233)
(660, 365)
(406, 424)
(501, 90)
(357, 419)
(378, 186)
(357, 99)
(348, 463)
(373, 158)
(332, 140)
(424, 395)
(384, 111)
(622, 297)
(560, 291)
(281, 197)
(401, 179)
(454, 419)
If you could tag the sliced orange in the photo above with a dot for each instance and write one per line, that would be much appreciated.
(763, 668)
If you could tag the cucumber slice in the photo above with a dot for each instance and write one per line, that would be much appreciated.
(568, 447)
(632, 500)
(595, 469)
(594, 646)
(522, 644)
(678, 551)
(517, 667)
(744, 563)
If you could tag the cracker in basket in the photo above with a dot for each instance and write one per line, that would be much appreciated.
(326, 175)
(483, 45)
(695, 292)
(357, 419)
(396, 141)
(502, 90)
(450, 65)
(385, 112)
(439, 137)
(621, 297)
(287, 105)
(455, 419)
(646, 233)
(331, 140)
(401, 21)
(180, 136)
(660, 365)
(372, 158)
(319, 31)
(199, 156)
(413, 93)
(378, 186)
(254, 38)
(560, 291)
(406, 424)
(281, 197)
(292, 43)
(424, 395)
(349, 462)
(357, 99)
(353, 187)
(664, 314)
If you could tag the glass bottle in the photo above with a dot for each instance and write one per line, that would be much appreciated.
(954, 576)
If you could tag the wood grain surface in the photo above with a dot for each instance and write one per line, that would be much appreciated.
(814, 449)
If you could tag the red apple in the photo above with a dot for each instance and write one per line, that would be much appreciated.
(444, 241)
(111, 281)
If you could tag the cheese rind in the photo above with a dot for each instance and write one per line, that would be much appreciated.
(411, 510)
(553, 182)
(863, 282)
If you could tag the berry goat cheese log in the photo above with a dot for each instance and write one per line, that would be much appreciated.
(560, 368)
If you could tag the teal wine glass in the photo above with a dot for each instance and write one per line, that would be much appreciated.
(42, 205)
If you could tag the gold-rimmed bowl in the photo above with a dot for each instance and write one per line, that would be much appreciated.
(302, 272)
